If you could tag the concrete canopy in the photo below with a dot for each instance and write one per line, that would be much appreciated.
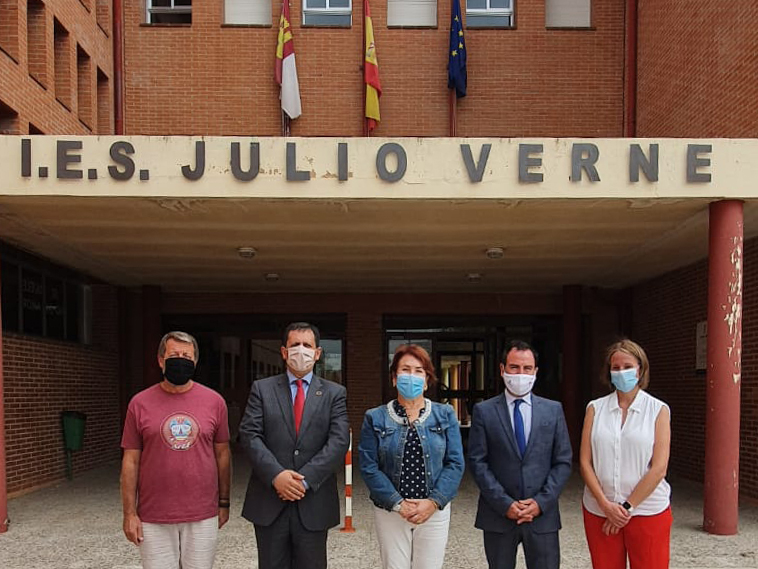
(363, 245)
(369, 215)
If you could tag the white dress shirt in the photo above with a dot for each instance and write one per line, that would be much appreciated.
(526, 412)
(621, 455)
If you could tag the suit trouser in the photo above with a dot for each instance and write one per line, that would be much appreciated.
(190, 545)
(404, 545)
(645, 539)
(287, 544)
(541, 550)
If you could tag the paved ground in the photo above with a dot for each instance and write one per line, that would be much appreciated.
(77, 525)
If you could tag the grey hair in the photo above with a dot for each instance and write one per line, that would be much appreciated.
(182, 337)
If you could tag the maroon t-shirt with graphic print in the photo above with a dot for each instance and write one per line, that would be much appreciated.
(178, 476)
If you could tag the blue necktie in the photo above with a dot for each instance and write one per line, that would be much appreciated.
(518, 427)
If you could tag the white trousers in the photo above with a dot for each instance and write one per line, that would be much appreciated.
(404, 545)
(179, 546)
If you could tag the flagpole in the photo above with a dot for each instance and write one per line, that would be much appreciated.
(453, 96)
(366, 129)
(285, 124)
(453, 112)
(372, 88)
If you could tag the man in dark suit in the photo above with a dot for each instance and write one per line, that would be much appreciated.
(520, 456)
(295, 432)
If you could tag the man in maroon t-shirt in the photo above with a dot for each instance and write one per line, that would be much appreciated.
(175, 474)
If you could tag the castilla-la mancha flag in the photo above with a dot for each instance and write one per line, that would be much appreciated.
(371, 73)
(286, 71)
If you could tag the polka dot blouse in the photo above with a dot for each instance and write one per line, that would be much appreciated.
(412, 479)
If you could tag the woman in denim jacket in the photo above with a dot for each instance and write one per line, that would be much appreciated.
(411, 459)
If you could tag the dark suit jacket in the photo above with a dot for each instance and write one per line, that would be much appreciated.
(267, 432)
(504, 476)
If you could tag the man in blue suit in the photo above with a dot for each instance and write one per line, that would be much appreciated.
(520, 456)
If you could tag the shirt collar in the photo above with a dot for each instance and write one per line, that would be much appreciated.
(636, 405)
(306, 378)
(511, 398)
(400, 410)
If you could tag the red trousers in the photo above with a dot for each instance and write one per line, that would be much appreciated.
(645, 539)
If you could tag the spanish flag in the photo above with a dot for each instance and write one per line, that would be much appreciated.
(286, 71)
(371, 73)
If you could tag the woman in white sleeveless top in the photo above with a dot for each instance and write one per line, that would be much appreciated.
(623, 459)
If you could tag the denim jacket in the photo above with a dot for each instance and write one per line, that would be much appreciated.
(383, 437)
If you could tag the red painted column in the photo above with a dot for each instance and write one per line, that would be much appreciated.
(722, 416)
(572, 361)
(3, 478)
(151, 334)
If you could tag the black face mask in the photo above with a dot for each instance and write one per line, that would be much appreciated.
(178, 371)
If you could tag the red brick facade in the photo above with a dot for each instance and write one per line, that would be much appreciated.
(44, 377)
(56, 77)
(697, 66)
(527, 81)
(50, 57)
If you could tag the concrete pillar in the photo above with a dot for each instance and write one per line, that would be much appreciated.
(722, 418)
(152, 329)
(3, 477)
(572, 362)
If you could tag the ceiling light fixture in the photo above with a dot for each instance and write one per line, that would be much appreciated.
(246, 252)
(271, 277)
(495, 252)
(474, 277)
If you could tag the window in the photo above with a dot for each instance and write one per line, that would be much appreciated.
(489, 13)
(32, 302)
(103, 103)
(75, 323)
(247, 12)
(328, 13)
(42, 304)
(103, 15)
(62, 61)
(567, 13)
(55, 308)
(169, 11)
(8, 120)
(84, 87)
(417, 13)
(36, 41)
(10, 295)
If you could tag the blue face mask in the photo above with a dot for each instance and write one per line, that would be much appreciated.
(624, 380)
(410, 386)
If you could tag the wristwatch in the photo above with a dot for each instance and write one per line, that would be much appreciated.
(627, 506)
(396, 507)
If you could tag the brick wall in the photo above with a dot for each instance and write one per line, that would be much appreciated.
(697, 69)
(9, 27)
(42, 86)
(214, 80)
(363, 365)
(666, 311)
(44, 377)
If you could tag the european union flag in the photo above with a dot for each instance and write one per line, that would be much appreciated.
(456, 66)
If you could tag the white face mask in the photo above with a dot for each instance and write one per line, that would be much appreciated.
(519, 384)
(301, 359)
